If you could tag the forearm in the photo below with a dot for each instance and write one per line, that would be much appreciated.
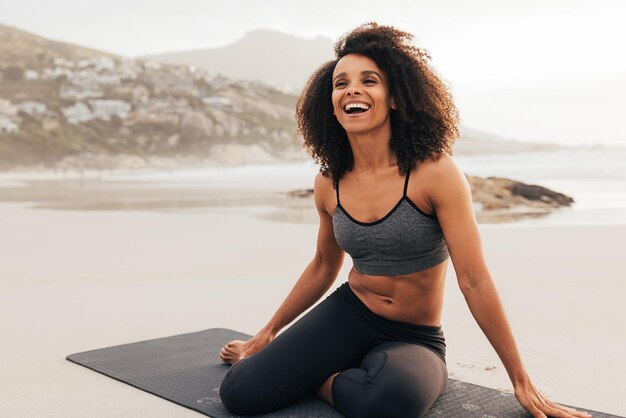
(309, 288)
(485, 305)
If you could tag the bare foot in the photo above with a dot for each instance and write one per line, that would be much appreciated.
(232, 352)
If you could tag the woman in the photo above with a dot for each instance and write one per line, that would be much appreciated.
(381, 124)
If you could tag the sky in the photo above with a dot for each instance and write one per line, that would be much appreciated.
(533, 70)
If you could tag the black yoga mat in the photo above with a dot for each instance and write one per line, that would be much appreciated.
(186, 369)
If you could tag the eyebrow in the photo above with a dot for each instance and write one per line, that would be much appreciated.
(366, 72)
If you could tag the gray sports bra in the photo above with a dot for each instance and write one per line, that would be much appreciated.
(405, 240)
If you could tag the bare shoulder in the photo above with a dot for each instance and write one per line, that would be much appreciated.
(445, 165)
(444, 179)
(324, 193)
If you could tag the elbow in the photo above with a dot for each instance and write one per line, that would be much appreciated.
(469, 284)
(327, 268)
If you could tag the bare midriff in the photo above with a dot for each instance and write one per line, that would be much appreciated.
(416, 298)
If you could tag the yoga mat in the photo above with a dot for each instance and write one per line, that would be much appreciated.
(186, 369)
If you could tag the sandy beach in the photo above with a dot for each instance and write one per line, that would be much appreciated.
(76, 280)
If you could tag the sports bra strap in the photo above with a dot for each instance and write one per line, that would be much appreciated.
(406, 183)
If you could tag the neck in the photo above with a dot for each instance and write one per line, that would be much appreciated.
(371, 151)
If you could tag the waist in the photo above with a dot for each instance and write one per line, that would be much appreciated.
(346, 291)
(430, 336)
(415, 298)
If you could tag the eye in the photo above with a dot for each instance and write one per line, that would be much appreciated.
(340, 83)
(369, 81)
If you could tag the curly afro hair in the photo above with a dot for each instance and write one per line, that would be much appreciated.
(424, 125)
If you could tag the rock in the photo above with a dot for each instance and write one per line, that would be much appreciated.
(534, 192)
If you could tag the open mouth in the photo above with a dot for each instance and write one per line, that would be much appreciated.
(356, 108)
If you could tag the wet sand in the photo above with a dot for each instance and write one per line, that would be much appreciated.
(75, 280)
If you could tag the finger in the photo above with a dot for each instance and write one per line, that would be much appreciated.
(557, 413)
(530, 406)
(536, 412)
(569, 410)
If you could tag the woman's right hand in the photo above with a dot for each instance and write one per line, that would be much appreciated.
(254, 344)
(237, 349)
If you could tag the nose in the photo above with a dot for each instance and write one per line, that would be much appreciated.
(352, 90)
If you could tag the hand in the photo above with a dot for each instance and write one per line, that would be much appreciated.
(254, 344)
(235, 350)
(535, 403)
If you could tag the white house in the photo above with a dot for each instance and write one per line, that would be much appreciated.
(79, 93)
(217, 101)
(52, 73)
(32, 107)
(31, 75)
(7, 125)
(62, 62)
(104, 109)
(78, 112)
(99, 63)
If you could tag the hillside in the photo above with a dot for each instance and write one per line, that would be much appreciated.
(59, 101)
(26, 50)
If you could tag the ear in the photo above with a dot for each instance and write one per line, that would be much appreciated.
(393, 104)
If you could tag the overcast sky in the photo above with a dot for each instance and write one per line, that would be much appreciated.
(540, 70)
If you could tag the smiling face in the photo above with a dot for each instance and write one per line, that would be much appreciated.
(360, 97)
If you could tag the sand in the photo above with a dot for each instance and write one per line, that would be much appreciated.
(79, 280)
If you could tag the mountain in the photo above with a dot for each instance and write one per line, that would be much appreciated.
(283, 60)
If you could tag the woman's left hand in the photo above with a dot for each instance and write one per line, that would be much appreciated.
(535, 403)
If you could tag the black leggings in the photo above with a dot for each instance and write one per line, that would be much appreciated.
(388, 368)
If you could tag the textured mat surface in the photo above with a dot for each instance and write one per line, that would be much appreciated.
(186, 369)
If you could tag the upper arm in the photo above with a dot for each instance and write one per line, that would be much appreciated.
(451, 197)
(329, 255)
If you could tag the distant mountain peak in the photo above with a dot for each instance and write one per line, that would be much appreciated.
(278, 58)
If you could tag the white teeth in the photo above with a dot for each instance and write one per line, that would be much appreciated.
(356, 105)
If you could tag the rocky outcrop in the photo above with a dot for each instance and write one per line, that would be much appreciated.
(494, 193)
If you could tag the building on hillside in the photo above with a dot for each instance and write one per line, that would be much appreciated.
(104, 109)
(79, 93)
(87, 78)
(98, 63)
(7, 125)
(62, 62)
(217, 101)
(31, 75)
(32, 107)
(54, 73)
(78, 112)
